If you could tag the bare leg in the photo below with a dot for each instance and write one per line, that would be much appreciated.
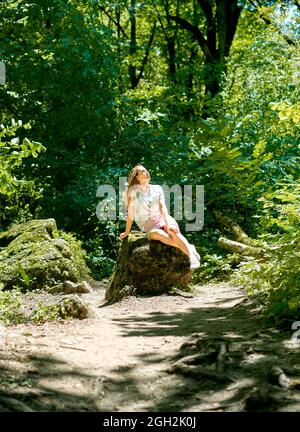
(158, 234)
(181, 241)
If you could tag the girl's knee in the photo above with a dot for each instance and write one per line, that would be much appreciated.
(156, 234)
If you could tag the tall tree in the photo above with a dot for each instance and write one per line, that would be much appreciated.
(60, 77)
(220, 22)
(120, 16)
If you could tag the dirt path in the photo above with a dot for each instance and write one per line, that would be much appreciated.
(121, 359)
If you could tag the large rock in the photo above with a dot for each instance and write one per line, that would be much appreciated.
(146, 268)
(32, 256)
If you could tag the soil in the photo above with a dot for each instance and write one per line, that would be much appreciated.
(124, 359)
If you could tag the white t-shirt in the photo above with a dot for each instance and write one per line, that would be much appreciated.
(146, 206)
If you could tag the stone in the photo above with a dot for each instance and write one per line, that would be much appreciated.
(69, 287)
(33, 256)
(147, 268)
(73, 307)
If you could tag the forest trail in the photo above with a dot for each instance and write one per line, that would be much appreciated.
(121, 359)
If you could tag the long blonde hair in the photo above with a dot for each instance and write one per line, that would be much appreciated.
(133, 181)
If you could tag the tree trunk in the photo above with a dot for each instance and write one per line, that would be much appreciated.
(221, 25)
(132, 45)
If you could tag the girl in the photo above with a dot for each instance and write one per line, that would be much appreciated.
(146, 206)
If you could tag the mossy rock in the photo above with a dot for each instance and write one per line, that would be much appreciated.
(147, 268)
(73, 307)
(34, 256)
(69, 287)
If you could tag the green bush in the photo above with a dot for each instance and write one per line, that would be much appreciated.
(215, 268)
(19, 196)
(275, 282)
(98, 261)
(11, 307)
(43, 313)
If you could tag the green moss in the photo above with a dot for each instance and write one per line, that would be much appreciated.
(37, 256)
(46, 227)
(78, 254)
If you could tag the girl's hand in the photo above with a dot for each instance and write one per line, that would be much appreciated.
(123, 235)
(170, 230)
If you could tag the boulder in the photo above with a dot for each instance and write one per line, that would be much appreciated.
(147, 268)
(33, 256)
(73, 307)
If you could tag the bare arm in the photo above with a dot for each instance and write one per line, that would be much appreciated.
(129, 223)
(165, 215)
(129, 220)
(164, 212)
(163, 207)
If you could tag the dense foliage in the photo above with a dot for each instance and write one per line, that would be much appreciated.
(200, 92)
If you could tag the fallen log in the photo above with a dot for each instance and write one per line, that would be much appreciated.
(240, 248)
(237, 232)
(243, 244)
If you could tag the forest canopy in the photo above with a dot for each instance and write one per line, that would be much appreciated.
(200, 92)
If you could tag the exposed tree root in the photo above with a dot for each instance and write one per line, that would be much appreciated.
(277, 376)
(14, 404)
(222, 357)
(201, 372)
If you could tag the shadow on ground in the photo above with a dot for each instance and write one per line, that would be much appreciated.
(22, 388)
(244, 384)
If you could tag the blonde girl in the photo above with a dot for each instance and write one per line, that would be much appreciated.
(146, 206)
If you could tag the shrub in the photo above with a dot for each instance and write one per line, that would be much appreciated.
(275, 283)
